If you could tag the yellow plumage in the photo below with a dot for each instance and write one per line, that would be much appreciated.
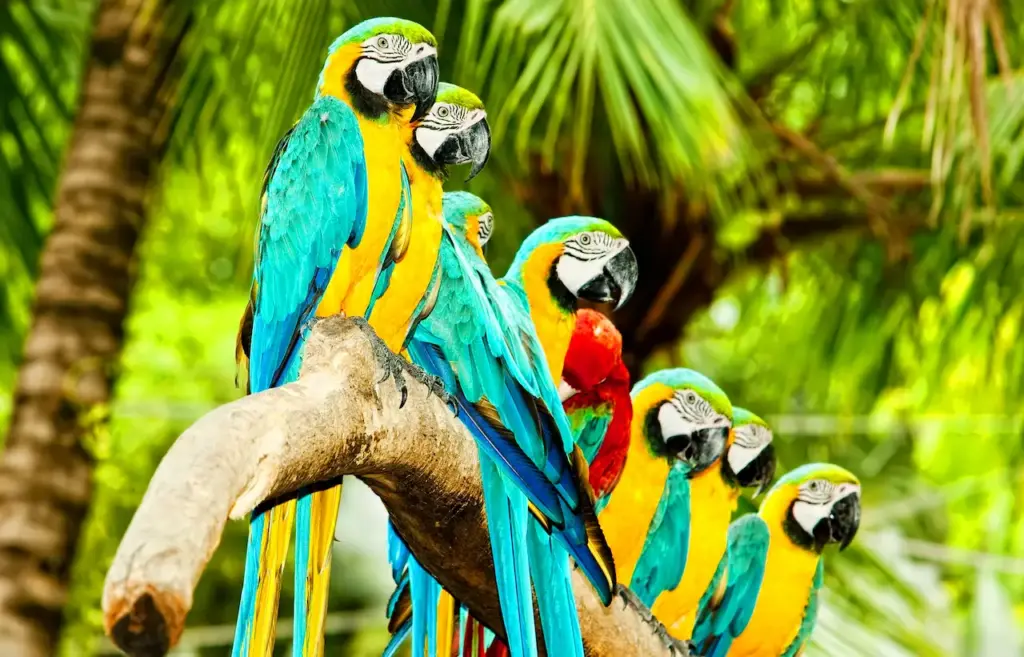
(628, 515)
(553, 323)
(348, 292)
(788, 578)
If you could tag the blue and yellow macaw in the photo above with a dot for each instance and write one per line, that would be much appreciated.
(454, 131)
(774, 569)
(667, 518)
(471, 222)
(751, 456)
(334, 197)
(508, 400)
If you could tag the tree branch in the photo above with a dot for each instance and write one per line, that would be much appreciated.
(337, 419)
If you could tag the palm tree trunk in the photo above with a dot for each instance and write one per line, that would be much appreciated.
(85, 278)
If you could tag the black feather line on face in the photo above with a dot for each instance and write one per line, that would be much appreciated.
(364, 101)
(426, 162)
(564, 299)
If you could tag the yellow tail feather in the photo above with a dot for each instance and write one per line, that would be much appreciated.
(277, 533)
(323, 518)
(445, 623)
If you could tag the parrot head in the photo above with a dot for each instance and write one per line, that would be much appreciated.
(750, 459)
(585, 258)
(382, 65)
(470, 217)
(594, 352)
(818, 504)
(685, 416)
(453, 131)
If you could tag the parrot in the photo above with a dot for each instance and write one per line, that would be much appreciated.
(537, 501)
(769, 602)
(673, 488)
(595, 395)
(334, 197)
(751, 456)
(453, 131)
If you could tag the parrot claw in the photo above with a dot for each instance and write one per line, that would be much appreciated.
(393, 365)
(434, 384)
(675, 647)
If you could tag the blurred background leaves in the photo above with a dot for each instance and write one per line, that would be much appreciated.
(824, 195)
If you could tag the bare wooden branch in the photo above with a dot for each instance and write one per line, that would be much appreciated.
(338, 419)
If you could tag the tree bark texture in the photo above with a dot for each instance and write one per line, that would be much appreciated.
(85, 278)
(339, 418)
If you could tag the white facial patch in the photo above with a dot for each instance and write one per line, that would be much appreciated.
(751, 439)
(815, 501)
(442, 121)
(374, 75)
(565, 390)
(584, 258)
(686, 413)
(486, 223)
(385, 53)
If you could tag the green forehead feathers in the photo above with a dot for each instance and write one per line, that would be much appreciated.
(454, 95)
(741, 416)
(556, 231)
(414, 32)
(827, 471)
(459, 206)
(681, 378)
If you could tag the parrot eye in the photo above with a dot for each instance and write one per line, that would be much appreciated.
(814, 487)
(691, 397)
(443, 112)
(584, 239)
(382, 42)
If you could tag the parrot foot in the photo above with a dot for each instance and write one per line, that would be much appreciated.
(675, 647)
(396, 368)
(392, 364)
(434, 384)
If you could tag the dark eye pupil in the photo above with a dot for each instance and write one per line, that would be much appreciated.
(382, 42)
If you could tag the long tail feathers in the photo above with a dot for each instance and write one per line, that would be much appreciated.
(445, 623)
(507, 518)
(314, 538)
(549, 565)
(266, 551)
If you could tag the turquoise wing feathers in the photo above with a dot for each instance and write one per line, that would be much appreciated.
(481, 335)
(746, 552)
(663, 557)
(810, 613)
(315, 203)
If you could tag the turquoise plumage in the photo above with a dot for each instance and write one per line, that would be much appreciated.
(663, 558)
(744, 561)
(315, 204)
(480, 340)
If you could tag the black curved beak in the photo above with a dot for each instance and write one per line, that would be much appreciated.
(841, 525)
(699, 449)
(414, 84)
(760, 472)
(470, 145)
(615, 284)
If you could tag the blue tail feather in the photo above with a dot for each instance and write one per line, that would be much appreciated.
(247, 606)
(549, 566)
(507, 517)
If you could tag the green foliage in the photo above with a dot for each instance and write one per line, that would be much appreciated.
(896, 357)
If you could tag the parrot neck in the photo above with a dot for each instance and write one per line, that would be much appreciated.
(553, 317)
(424, 162)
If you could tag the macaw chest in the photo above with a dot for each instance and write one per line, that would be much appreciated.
(710, 513)
(775, 623)
(351, 285)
